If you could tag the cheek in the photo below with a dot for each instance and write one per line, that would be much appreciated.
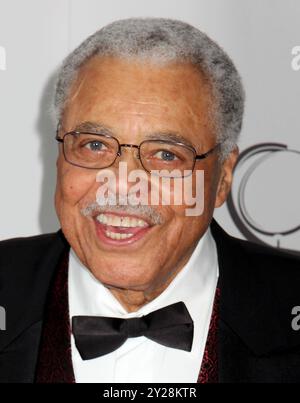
(181, 233)
(188, 194)
(73, 184)
(198, 194)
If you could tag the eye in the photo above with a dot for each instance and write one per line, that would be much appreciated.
(95, 146)
(166, 155)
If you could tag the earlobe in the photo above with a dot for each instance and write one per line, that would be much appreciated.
(221, 192)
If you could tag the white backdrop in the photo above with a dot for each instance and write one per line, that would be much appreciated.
(262, 37)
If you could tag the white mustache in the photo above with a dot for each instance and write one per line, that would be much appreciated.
(144, 211)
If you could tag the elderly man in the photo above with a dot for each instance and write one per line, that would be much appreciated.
(152, 291)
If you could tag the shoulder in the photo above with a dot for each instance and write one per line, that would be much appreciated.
(258, 259)
(21, 259)
(24, 250)
(260, 287)
(27, 266)
(279, 264)
(271, 274)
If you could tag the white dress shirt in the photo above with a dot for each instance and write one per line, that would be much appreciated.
(139, 359)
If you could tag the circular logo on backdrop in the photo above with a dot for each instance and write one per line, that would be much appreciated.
(264, 201)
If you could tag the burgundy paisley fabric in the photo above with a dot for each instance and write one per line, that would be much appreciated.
(209, 367)
(55, 360)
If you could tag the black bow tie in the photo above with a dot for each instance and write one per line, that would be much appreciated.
(171, 326)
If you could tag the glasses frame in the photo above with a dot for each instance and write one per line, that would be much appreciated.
(197, 157)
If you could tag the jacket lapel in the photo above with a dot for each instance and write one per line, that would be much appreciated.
(209, 366)
(54, 364)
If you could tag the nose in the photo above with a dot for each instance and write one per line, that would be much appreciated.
(129, 153)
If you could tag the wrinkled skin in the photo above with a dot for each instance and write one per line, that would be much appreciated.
(135, 100)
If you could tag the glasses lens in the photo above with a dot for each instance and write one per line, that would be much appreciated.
(90, 150)
(168, 159)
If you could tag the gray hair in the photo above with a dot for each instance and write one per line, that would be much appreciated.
(160, 40)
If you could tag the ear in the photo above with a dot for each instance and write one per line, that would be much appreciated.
(60, 155)
(226, 177)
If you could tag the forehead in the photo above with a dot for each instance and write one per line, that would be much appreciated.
(141, 96)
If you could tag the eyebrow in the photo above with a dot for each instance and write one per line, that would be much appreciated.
(100, 128)
(171, 136)
(97, 127)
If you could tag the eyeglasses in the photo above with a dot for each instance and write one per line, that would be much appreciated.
(161, 157)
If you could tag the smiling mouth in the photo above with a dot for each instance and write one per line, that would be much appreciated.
(118, 229)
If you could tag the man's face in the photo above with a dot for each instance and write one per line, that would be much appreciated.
(135, 101)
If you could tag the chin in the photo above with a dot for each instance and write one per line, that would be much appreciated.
(120, 277)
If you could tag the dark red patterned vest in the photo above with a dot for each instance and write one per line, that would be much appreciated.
(55, 362)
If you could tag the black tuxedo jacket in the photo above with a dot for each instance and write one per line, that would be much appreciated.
(259, 286)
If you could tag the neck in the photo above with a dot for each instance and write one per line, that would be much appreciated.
(133, 300)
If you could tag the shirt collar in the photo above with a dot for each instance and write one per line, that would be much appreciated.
(88, 296)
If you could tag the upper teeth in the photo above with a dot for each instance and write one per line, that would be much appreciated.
(118, 221)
